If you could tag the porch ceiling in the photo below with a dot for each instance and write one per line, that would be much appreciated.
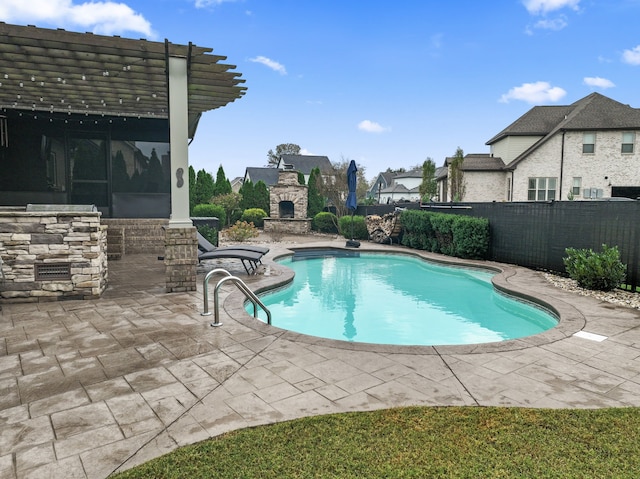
(57, 71)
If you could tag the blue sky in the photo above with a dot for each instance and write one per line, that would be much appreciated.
(384, 83)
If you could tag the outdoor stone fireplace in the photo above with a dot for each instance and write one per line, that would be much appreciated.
(288, 205)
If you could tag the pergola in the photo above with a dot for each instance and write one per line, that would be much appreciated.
(59, 72)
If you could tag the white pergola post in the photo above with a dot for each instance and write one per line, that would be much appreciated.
(179, 138)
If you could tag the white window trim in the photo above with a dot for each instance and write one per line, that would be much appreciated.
(546, 190)
(584, 143)
(632, 142)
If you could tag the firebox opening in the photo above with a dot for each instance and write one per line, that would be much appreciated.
(286, 209)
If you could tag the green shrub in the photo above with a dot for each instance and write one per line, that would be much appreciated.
(208, 210)
(255, 216)
(325, 222)
(453, 235)
(241, 231)
(359, 227)
(470, 237)
(442, 227)
(210, 234)
(418, 232)
(600, 271)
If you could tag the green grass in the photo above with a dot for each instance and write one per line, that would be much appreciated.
(451, 442)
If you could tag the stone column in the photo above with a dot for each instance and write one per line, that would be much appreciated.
(180, 259)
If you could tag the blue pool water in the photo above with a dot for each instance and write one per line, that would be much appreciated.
(396, 299)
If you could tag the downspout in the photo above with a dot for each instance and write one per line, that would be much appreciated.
(561, 167)
(513, 172)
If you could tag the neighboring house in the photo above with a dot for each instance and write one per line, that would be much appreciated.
(483, 174)
(585, 150)
(269, 176)
(237, 183)
(305, 163)
(383, 181)
(401, 187)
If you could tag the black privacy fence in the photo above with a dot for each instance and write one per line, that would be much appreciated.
(536, 234)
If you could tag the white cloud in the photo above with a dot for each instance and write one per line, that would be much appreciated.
(211, 3)
(556, 24)
(371, 127)
(274, 65)
(632, 57)
(538, 92)
(598, 82)
(304, 151)
(102, 17)
(542, 7)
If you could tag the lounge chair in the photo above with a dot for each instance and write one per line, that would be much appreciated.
(250, 259)
(206, 247)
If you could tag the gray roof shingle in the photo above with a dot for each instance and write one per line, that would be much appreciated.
(268, 175)
(305, 163)
(593, 112)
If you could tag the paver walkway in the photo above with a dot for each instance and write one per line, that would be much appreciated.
(91, 387)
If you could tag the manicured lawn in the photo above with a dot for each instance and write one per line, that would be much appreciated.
(452, 442)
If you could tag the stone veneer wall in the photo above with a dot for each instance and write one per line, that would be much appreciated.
(65, 238)
(288, 189)
(290, 225)
(180, 259)
(135, 235)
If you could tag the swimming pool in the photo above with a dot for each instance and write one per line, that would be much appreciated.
(398, 299)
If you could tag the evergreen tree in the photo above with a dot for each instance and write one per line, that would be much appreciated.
(456, 176)
(192, 189)
(315, 199)
(300, 178)
(119, 176)
(428, 188)
(248, 195)
(223, 185)
(155, 175)
(261, 197)
(204, 189)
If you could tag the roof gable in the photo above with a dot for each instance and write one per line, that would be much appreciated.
(269, 176)
(482, 162)
(593, 112)
(305, 163)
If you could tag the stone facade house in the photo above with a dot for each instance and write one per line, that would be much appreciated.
(585, 150)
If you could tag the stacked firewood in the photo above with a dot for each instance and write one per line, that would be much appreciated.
(382, 229)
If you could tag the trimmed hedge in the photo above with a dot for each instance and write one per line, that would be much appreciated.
(359, 227)
(255, 216)
(452, 235)
(210, 211)
(325, 222)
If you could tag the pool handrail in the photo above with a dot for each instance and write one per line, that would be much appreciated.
(250, 295)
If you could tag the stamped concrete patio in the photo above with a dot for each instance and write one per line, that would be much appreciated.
(92, 387)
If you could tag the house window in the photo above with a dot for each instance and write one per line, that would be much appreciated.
(628, 139)
(588, 143)
(576, 186)
(542, 189)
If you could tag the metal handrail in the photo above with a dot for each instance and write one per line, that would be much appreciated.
(241, 286)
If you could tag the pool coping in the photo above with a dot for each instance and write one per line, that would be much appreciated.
(511, 279)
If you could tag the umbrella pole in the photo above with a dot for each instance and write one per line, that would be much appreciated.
(352, 243)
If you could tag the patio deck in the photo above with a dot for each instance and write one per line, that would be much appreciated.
(92, 387)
